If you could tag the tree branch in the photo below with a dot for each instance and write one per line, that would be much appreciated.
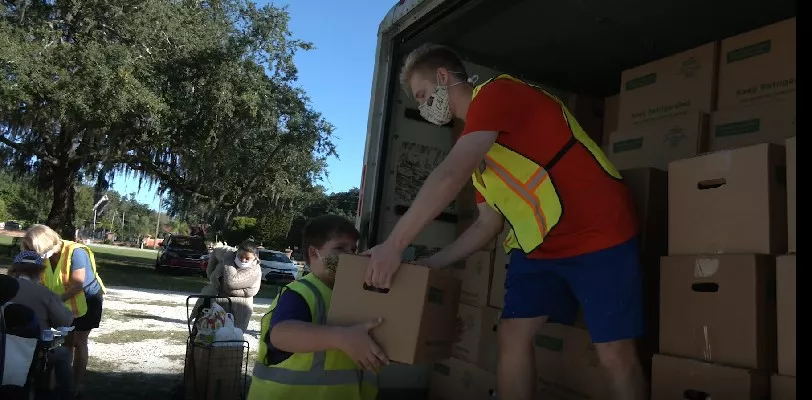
(21, 147)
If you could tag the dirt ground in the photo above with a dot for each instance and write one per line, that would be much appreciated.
(142, 340)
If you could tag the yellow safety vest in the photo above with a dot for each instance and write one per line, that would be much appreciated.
(328, 375)
(58, 279)
(522, 190)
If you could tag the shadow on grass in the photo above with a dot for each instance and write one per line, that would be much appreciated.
(153, 317)
(144, 276)
(137, 386)
(145, 259)
(129, 385)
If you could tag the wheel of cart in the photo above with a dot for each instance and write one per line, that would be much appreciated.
(217, 370)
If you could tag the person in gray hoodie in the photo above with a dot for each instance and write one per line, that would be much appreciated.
(51, 312)
(235, 273)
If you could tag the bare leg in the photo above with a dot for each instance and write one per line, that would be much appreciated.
(517, 367)
(625, 374)
(77, 342)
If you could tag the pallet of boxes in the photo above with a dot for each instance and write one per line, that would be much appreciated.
(721, 120)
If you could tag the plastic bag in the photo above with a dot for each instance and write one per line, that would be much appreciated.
(210, 320)
(228, 335)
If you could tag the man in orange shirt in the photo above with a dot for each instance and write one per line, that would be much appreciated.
(573, 227)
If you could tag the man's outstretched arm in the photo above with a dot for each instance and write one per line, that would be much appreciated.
(488, 225)
(439, 189)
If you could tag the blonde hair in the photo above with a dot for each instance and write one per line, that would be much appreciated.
(40, 239)
(431, 56)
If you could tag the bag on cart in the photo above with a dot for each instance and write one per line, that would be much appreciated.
(216, 355)
(210, 320)
(19, 335)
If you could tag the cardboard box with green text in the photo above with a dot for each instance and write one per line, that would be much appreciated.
(675, 85)
(655, 144)
(758, 66)
(454, 379)
(770, 122)
(475, 274)
(566, 358)
(478, 343)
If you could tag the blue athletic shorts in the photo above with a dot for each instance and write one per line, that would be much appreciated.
(607, 284)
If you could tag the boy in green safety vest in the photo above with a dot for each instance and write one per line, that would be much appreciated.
(300, 356)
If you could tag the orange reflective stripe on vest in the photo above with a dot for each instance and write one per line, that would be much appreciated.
(523, 190)
(64, 267)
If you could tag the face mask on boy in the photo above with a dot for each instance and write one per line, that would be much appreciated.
(330, 262)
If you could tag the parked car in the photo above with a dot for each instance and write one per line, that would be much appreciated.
(11, 226)
(178, 252)
(277, 267)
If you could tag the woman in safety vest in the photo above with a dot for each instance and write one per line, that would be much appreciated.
(70, 272)
(572, 237)
(300, 356)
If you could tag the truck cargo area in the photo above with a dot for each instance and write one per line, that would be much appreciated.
(582, 46)
(575, 50)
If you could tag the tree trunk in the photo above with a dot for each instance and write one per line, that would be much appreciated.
(63, 208)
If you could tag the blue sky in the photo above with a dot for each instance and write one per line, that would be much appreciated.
(337, 76)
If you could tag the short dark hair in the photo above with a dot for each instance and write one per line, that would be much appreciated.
(322, 229)
(248, 246)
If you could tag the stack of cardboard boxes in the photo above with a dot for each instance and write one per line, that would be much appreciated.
(721, 119)
(566, 363)
(471, 371)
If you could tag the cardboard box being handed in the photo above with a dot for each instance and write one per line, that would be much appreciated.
(419, 311)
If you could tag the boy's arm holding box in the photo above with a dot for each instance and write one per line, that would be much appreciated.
(292, 331)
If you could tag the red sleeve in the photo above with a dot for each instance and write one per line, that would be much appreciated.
(479, 198)
(500, 106)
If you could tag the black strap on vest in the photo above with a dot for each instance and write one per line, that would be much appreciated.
(560, 154)
(566, 147)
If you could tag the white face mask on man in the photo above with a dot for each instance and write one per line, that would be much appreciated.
(437, 107)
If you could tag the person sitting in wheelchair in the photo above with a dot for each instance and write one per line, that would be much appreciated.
(49, 309)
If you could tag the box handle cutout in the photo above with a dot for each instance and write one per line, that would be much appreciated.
(691, 394)
(374, 289)
(706, 287)
(711, 184)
